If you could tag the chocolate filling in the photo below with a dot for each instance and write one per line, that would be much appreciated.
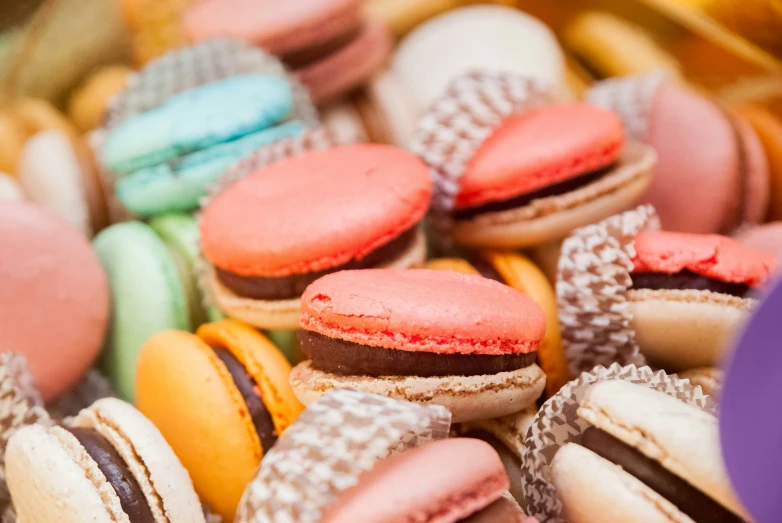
(309, 55)
(687, 280)
(111, 464)
(345, 357)
(262, 420)
(286, 287)
(690, 500)
(525, 199)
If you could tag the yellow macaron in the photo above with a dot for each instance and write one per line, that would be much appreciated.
(220, 397)
(88, 102)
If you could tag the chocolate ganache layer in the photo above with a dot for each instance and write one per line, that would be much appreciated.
(697, 505)
(292, 286)
(522, 200)
(117, 473)
(687, 280)
(262, 420)
(345, 357)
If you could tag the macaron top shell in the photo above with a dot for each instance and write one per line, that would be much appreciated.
(423, 310)
(315, 211)
(278, 27)
(530, 151)
(443, 481)
(711, 255)
(54, 296)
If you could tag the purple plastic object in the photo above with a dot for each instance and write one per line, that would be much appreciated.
(751, 412)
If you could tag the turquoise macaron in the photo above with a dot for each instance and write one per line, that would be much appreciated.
(165, 158)
(147, 274)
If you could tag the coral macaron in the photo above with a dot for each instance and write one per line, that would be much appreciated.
(276, 231)
(457, 340)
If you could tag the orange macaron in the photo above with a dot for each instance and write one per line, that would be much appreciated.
(221, 398)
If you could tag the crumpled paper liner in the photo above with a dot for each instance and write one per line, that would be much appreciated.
(592, 282)
(631, 99)
(557, 423)
(94, 386)
(322, 454)
(315, 139)
(20, 405)
(178, 71)
(454, 127)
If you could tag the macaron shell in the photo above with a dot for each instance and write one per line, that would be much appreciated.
(520, 273)
(47, 483)
(38, 115)
(52, 177)
(10, 190)
(757, 184)
(422, 310)
(709, 379)
(443, 481)
(12, 138)
(594, 490)
(184, 389)
(654, 424)
(88, 103)
(765, 238)
(397, 108)
(713, 256)
(151, 460)
(769, 130)
(693, 136)
(315, 211)
(265, 364)
(54, 296)
(147, 296)
(530, 151)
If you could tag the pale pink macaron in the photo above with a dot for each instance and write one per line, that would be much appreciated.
(766, 238)
(462, 341)
(54, 296)
(442, 482)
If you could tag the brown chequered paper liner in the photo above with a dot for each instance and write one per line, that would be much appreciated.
(592, 281)
(20, 405)
(454, 127)
(178, 71)
(557, 423)
(334, 440)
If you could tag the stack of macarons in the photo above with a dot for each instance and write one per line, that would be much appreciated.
(329, 45)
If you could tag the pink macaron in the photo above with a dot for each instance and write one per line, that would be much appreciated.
(457, 340)
(54, 296)
(442, 482)
(712, 172)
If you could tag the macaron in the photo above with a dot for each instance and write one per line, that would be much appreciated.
(54, 296)
(155, 27)
(166, 157)
(37, 115)
(608, 45)
(711, 174)
(709, 379)
(403, 15)
(436, 52)
(542, 173)
(769, 129)
(445, 481)
(87, 104)
(57, 172)
(646, 456)
(435, 337)
(10, 190)
(689, 294)
(329, 46)
(229, 386)
(110, 464)
(277, 230)
(147, 296)
(766, 238)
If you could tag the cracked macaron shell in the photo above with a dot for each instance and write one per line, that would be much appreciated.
(423, 310)
(712, 255)
(315, 211)
(530, 151)
(185, 389)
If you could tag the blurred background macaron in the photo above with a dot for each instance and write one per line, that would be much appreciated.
(57, 172)
(10, 190)
(152, 288)
(434, 337)
(54, 296)
(110, 464)
(329, 46)
(277, 230)
(766, 238)
(228, 385)
(431, 56)
(88, 103)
